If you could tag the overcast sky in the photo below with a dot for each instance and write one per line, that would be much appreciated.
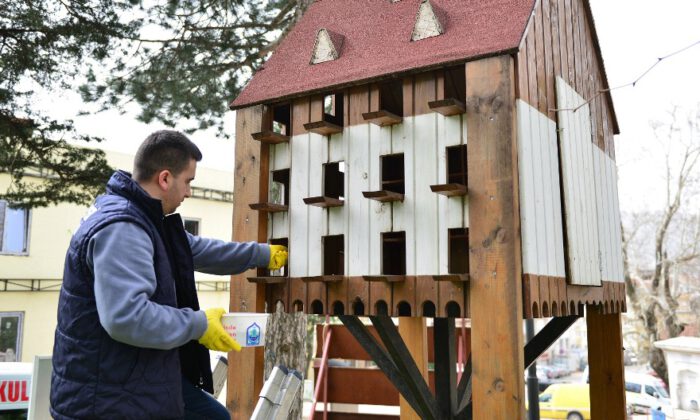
(632, 34)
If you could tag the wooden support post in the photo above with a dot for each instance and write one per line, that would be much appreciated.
(245, 377)
(494, 241)
(605, 364)
(414, 332)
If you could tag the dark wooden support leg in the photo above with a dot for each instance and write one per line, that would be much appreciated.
(464, 393)
(547, 336)
(445, 364)
(407, 366)
(393, 362)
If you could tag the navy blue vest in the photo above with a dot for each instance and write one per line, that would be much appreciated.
(96, 377)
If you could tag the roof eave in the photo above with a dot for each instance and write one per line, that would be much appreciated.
(339, 86)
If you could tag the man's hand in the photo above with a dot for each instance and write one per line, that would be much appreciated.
(215, 337)
(278, 257)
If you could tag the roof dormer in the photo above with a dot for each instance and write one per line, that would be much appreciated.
(327, 46)
(427, 24)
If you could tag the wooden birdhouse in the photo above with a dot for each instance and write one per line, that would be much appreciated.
(439, 158)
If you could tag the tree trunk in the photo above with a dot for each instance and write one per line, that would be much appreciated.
(285, 344)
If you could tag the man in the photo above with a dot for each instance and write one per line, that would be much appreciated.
(131, 342)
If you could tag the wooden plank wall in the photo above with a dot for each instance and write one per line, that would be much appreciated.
(422, 137)
(560, 42)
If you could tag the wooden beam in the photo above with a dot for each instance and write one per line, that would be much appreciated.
(250, 184)
(414, 332)
(494, 241)
(606, 367)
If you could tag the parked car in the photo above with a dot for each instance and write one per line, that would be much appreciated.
(644, 392)
(566, 401)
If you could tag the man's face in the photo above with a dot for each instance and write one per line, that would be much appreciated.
(178, 188)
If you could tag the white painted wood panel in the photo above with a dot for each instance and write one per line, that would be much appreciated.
(298, 210)
(528, 219)
(617, 226)
(540, 204)
(426, 216)
(579, 187)
(358, 172)
(318, 221)
(379, 217)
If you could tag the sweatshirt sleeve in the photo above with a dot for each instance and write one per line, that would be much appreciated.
(214, 256)
(124, 284)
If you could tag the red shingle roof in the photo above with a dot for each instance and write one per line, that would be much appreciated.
(377, 43)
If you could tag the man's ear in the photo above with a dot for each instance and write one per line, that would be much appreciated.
(164, 179)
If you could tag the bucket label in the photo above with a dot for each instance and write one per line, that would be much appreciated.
(252, 335)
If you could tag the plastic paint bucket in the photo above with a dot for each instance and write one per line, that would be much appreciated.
(245, 327)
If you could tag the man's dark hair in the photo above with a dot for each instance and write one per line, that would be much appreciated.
(164, 149)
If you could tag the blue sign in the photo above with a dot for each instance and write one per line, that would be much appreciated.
(252, 335)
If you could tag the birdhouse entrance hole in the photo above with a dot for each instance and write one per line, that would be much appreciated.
(279, 187)
(282, 271)
(333, 255)
(457, 164)
(458, 258)
(394, 253)
(334, 180)
(282, 119)
(393, 173)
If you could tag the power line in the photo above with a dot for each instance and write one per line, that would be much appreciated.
(632, 83)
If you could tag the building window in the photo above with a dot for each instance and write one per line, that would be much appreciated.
(11, 336)
(14, 229)
(192, 226)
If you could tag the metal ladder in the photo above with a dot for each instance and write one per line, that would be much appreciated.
(277, 394)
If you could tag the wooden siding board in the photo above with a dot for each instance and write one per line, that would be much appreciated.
(532, 65)
(426, 215)
(527, 195)
(579, 192)
(540, 61)
(550, 176)
(571, 77)
(556, 48)
(317, 217)
(548, 58)
(523, 82)
(495, 272)
(298, 211)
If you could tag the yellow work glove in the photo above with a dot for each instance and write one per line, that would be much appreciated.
(215, 337)
(278, 257)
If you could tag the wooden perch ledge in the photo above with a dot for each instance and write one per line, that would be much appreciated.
(323, 201)
(323, 128)
(270, 137)
(449, 190)
(269, 279)
(382, 118)
(383, 195)
(448, 107)
(269, 207)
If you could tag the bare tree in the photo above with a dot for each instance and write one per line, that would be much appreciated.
(654, 286)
